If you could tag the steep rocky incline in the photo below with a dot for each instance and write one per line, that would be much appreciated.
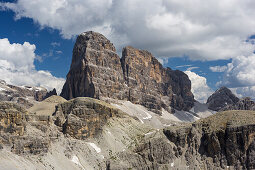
(221, 98)
(97, 71)
(152, 85)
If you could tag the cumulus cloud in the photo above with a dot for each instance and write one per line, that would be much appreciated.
(17, 66)
(218, 68)
(204, 30)
(240, 72)
(239, 76)
(199, 87)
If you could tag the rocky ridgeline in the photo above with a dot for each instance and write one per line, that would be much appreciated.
(23, 95)
(243, 104)
(97, 71)
(222, 141)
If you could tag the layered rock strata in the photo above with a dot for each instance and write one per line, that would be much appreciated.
(97, 71)
(83, 118)
(222, 141)
(14, 130)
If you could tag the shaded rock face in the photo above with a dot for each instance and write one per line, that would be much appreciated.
(97, 71)
(50, 93)
(82, 118)
(221, 98)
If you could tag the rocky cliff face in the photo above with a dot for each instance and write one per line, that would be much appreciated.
(224, 140)
(221, 98)
(97, 71)
(84, 118)
(16, 134)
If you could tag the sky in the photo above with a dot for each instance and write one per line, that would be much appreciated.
(212, 41)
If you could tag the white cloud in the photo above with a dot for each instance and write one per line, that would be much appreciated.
(240, 72)
(163, 60)
(181, 66)
(244, 91)
(192, 68)
(199, 87)
(218, 68)
(239, 76)
(55, 44)
(204, 30)
(17, 66)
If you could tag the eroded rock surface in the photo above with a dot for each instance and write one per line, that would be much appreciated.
(82, 118)
(97, 71)
(14, 125)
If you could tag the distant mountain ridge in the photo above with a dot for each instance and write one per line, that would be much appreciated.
(23, 95)
(223, 99)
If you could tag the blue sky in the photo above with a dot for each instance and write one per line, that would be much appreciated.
(194, 41)
(47, 41)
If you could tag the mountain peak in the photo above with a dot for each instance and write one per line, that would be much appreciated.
(221, 98)
(97, 71)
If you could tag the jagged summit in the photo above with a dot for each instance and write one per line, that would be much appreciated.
(221, 98)
(97, 71)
